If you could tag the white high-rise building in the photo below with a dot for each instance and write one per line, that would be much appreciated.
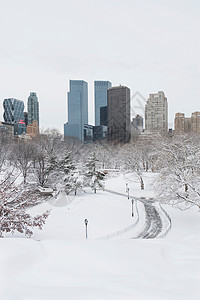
(156, 112)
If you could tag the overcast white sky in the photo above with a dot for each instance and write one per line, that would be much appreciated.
(146, 45)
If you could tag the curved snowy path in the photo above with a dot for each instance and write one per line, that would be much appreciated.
(155, 222)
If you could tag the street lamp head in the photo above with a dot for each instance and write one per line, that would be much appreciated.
(86, 222)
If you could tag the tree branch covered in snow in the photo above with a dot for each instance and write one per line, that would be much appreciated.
(14, 201)
(179, 172)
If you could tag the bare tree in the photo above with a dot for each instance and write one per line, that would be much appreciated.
(22, 156)
(133, 161)
(45, 163)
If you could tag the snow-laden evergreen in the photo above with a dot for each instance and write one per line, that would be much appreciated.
(93, 176)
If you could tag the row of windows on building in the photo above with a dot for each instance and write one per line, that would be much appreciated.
(187, 125)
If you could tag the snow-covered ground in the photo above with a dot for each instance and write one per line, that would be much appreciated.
(59, 263)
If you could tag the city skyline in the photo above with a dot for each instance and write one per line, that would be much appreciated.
(162, 53)
(133, 113)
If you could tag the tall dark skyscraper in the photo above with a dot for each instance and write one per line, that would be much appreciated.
(77, 109)
(104, 115)
(119, 114)
(100, 90)
(26, 118)
(33, 108)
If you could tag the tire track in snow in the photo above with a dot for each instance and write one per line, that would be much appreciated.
(154, 223)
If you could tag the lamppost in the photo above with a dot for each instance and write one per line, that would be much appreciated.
(126, 187)
(86, 222)
(132, 201)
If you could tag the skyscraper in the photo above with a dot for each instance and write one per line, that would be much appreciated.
(119, 114)
(13, 110)
(77, 109)
(104, 115)
(100, 90)
(156, 112)
(14, 114)
(33, 108)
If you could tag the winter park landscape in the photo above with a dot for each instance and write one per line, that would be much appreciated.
(100, 150)
(137, 246)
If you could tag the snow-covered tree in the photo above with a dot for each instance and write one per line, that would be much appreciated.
(178, 182)
(46, 164)
(13, 209)
(78, 181)
(22, 155)
(103, 151)
(133, 161)
(51, 140)
(68, 169)
(4, 146)
(40, 166)
(93, 176)
(66, 164)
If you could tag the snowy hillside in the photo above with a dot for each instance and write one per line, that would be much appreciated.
(113, 263)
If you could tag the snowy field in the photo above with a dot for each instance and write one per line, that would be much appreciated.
(112, 264)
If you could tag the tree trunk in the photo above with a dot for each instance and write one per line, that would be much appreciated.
(141, 183)
(186, 187)
(186, 190)
(24, 175)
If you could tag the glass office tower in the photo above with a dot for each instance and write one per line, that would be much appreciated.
(13, 110)
(14, 114)
(77, 109)
(100, 90)
(33, 108)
